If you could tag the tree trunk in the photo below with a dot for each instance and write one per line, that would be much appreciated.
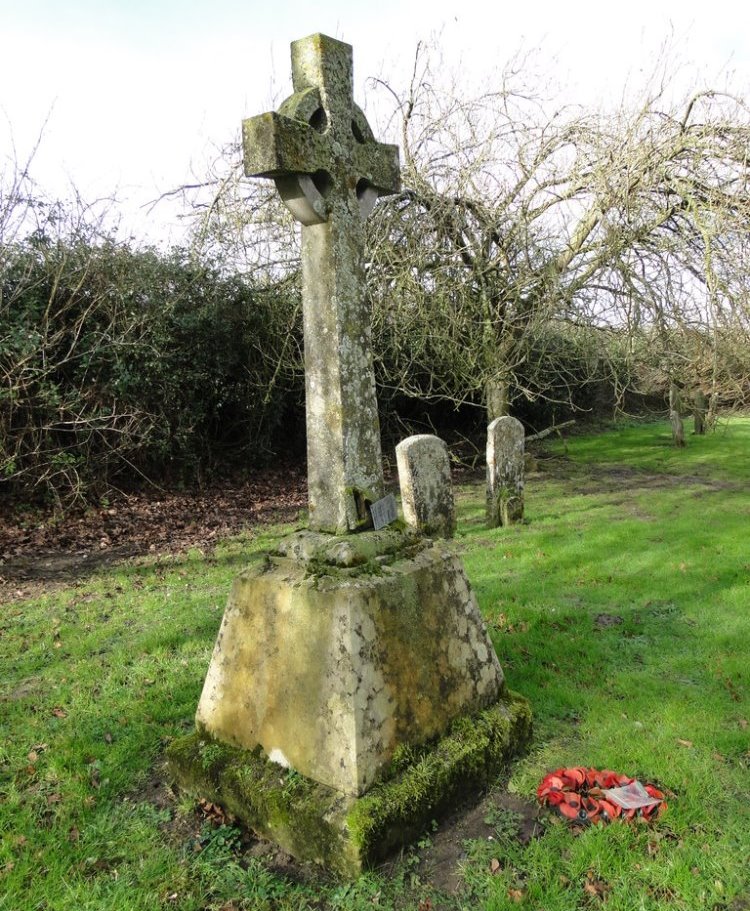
(712, 415)
(700, 408)
(678, 428)
(496, 398)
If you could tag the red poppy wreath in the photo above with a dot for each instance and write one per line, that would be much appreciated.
(589, 796)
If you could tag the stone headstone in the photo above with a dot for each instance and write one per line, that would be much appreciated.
(675, 415)
(700, 410)
(424, 474)
(505, 457)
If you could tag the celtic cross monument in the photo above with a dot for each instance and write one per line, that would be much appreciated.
(353, 694)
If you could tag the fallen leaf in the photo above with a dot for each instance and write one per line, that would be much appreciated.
(494, 866)
(425, 905)
(33, 756)
(596, 888)
(684, 743)
(53, 798)
(59, 713)
(108, 737)
(516, 895)
(743, 723)
(74, 835)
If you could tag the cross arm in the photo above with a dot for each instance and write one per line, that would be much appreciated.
(378, 163)
(277, 146)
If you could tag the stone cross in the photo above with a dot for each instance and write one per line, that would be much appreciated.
(329, 170)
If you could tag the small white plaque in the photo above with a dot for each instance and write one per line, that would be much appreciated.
(384, 512)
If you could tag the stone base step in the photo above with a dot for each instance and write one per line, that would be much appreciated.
(343, 833)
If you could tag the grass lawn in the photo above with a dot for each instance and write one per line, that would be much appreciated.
(621, 610)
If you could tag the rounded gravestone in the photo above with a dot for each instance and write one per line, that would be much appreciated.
(505, 451)
(424, 474)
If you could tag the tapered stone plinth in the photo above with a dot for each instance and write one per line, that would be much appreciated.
(336, 655)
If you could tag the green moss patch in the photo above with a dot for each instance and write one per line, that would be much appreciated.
(345, 834)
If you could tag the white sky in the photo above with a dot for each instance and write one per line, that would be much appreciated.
(137, 91)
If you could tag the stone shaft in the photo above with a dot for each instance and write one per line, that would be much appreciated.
(424, 475)
(344, 465)
(505, 452)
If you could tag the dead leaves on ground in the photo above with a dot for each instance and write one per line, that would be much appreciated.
(502, 623)
(594, 888)
(214, 813)
(150, 521)
(515, 893)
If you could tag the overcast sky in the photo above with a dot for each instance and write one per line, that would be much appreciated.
(135, 92)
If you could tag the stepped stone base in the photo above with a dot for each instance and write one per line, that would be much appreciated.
(353, 694)
(345, 833)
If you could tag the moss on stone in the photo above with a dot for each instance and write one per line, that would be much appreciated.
(342, 833)
(295, 812)
(431, 780)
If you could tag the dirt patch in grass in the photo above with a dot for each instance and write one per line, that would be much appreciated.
(40, 551)
(604, 621)
(443, 858)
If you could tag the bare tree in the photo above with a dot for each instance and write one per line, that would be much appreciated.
(535, 249)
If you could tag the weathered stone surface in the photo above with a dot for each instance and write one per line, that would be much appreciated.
(331, 665)
(342, 832)
(505, 454)
(424, 475)
(347, 551)
(329, 171)
(675, 415)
